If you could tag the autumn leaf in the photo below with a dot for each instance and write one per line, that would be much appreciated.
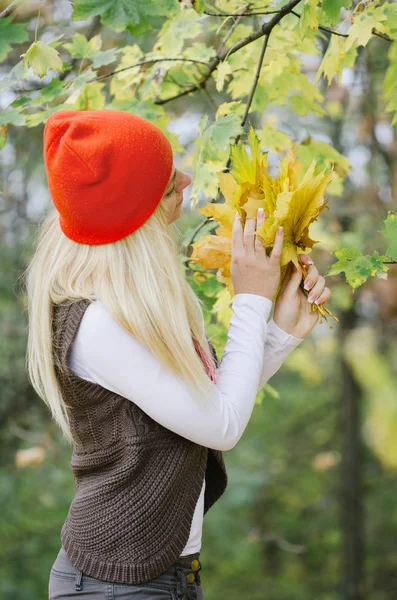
(40, 56)
(293, 199)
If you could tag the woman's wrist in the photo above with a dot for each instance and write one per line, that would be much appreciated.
(292, 331)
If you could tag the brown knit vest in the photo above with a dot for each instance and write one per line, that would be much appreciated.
(136, 482)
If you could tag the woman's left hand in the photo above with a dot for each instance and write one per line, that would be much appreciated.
(292, 311)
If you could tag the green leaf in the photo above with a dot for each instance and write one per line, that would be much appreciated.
(199, 51)
(38, 118)
(80, 47)
(41, 57)
(14, 76)
(134, 15)
(184, 26)
(11, 33)
(309, 17)
(223, 129)
(198, 6)
(106, 57)
(336, 58)
(356, 266)
(325, 155)
(222, 71)
(21, 101)
(390, 233)
(90, 97)
(330, 11)
(122, 83)
(226, 108)
(53, 90)
(211, 152)
(361, 31)
(14, 117)
(303, 105)
(275, 140)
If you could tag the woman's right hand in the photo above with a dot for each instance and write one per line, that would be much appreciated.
(252, 271)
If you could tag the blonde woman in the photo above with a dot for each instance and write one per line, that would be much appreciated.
(117, 349)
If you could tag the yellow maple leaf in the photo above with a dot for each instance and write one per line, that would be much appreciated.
(293, 199)
(212, 251)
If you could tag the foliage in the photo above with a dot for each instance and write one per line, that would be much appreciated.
(292, 200)
(277, 532)
(184, 59)
(358, 267)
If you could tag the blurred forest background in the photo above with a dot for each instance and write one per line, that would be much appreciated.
(310, 512)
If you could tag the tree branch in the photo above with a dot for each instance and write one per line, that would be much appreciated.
(256, 79)
(232, 28)
(7, 11)
(213, 14)
(266, 29)
(144, 62)
(345, 35)
(244, 118)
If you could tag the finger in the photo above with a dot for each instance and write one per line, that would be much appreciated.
(277, 251)
(324, 296)
(237, 235)
(317, 289)
(311, 277)
(292, 279)
(287, 276)
(295, 279)
(248, 236)
(258, 244)
(305, 259)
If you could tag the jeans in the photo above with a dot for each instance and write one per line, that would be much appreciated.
(68, 582)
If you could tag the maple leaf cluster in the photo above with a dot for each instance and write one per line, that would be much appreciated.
(292, 199)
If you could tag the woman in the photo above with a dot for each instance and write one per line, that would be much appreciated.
(117, 349)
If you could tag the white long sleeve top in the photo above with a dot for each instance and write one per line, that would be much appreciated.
(104, 352)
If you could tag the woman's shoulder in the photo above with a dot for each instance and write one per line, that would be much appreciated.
(97, 316)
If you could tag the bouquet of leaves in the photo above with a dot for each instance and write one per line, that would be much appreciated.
(292, 199)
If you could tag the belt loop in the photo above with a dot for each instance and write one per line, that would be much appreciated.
(78, 582)
(181, 584)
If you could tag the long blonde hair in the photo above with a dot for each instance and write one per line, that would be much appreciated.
(140, 280)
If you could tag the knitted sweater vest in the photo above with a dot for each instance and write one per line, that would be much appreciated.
(136, 482)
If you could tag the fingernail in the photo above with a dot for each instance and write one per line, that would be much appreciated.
(310, 297)
(308, 284)
(237, 215)
(309, 260)
(260, 212)
(280, 230)
(317, 301)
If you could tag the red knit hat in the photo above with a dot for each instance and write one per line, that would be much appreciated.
(107, 172)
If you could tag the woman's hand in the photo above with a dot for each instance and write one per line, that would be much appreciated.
(291, 311)
(252, 271)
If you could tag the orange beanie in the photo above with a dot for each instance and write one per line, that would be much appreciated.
(107, 172)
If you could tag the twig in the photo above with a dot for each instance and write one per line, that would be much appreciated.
(93, 30)
(345, 35)
(256, 79)
(144, 62)
(227, 36)
(249, 102)
(268, 12)
(7, 11)
(195, 232)
(213, 64)
(384, 36)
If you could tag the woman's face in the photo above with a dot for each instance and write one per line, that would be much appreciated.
(173, 196)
